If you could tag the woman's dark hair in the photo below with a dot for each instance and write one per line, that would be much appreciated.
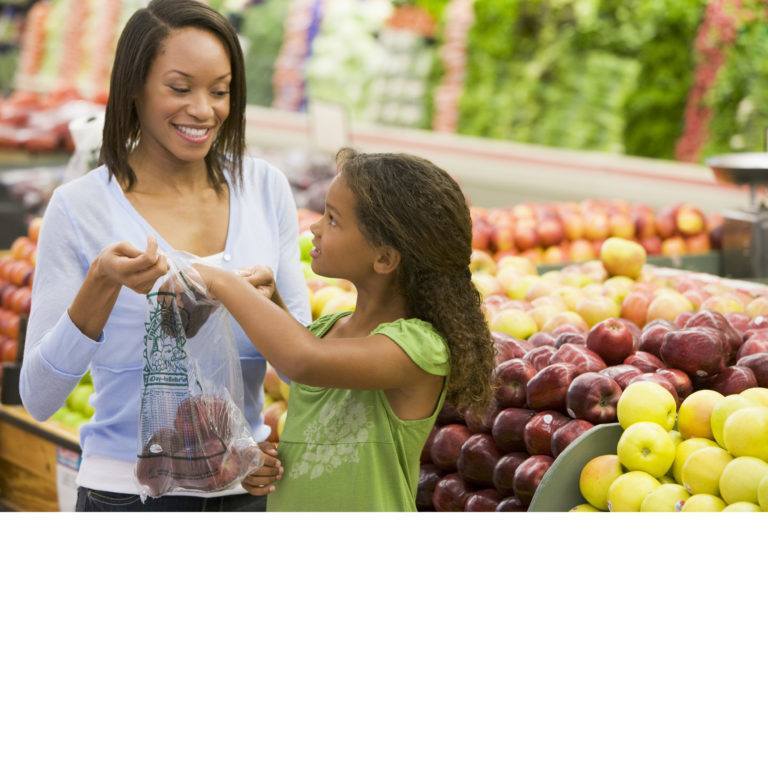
(413, 206)
(137, 48)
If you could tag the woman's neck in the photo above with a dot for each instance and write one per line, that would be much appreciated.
(156, 173)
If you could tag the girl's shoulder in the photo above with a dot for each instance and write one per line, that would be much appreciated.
(421, 342)
(323, 324)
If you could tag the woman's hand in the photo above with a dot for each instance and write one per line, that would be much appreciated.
(261, 278)
(123, 264)
(261, 481)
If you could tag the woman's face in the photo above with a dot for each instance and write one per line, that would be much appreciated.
(185, 99)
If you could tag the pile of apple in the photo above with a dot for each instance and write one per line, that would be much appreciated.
(711, 455)
(566, 350)
(574, 232)
(78, 409)
(275, 411)
(16, 274)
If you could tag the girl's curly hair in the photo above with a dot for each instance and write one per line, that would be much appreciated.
(410, 204)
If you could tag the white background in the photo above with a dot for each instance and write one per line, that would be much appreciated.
(383, 640)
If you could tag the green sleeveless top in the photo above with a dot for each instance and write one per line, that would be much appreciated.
(345, 449)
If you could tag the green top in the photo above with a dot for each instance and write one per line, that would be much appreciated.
(345, 449)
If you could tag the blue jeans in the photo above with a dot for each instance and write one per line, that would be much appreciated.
(104, 501)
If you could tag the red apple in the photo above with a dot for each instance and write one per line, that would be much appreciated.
(564, 436)
(634, 307)
(611, 340)
(446, 446)
(547, 389)
(504, 471)
(622, 374)
(511, 504)
(581, 358)
(653, 335)
(451, 494)
(571, 337)
(698, 351)
(634, 329)
(526, 237)
(739, 320)
(541, 339)
(719, 323)
(528, 476)
(755, 344)
(679, 380)
(666, 225)
(733, 380)
(511, 378)
(483, 501)
(477, 459)
(550, 232)
(539, 430)
(201, 418)
(429, 475)
(593, 398)
(507, 348)
(449, 414)
(509, 428)
(426, 449)
(540, 357)
(758, 364)
(154, 467)
(645, 361)
(481, 422)
(682, 319)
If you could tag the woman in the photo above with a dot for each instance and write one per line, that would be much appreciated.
(174, 177)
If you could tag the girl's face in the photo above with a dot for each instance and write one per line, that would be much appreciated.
(340, 248)
(185, 99)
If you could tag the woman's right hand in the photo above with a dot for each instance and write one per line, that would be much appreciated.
(123, 264)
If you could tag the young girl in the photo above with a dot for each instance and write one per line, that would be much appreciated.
(368, 385)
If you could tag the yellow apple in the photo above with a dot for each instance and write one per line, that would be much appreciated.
(741, 479)
(521, 264)
(684, 450)
(485, 283)
(281, 423)
(647, 447)
(519, 288)
(670, 497)
(344, 301)
(569, 295)
(722, 410)
(514, 322)
(622, 257)
(646, 401)
(543, 313)
(762, 494)
(756, 395)
(618, 287)
(703, 502)
(584, 508)
(742, 506)
(565, 318)
(596, 478)
(702, 470)
(676, 437)
(628, 492)
(596, 308)
(694, 419)
(746, 432)
(667, 305)
(758, 306)
(482, 261)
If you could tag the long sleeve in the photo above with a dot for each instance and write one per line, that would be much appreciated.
(289, 274)
(56, 353)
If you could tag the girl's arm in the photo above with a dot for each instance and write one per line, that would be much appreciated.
(372, 362)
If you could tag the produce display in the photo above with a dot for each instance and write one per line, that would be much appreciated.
(569, 344)
(573, 232)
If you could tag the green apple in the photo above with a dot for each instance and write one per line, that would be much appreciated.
(702, 470)
(742, 506)
(741, 478)
(596, 478)
(305, 247)
(646, 401)
(684, 450)
(703, 502)
(647, 447)
(746, 432)
(670, 497)
(627, 492)
(722, 410)
(694, 419)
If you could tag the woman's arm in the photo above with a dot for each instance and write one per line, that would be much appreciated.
(372, 362)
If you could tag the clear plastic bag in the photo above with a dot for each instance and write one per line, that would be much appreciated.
(192, 431)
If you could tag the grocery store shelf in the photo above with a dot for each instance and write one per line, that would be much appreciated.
(503, 173)
(55, 433)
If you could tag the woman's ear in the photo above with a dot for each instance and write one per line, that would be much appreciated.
(387, 260)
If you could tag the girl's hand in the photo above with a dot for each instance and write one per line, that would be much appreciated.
(261, 481)
(124, 265)
(261, 278)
